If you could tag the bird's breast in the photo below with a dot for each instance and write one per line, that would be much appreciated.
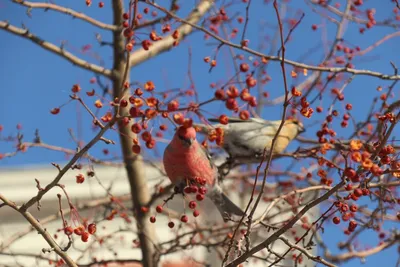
(187, 165)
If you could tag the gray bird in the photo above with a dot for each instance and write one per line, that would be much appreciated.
(245, 140)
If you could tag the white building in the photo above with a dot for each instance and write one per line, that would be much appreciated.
(18, 185)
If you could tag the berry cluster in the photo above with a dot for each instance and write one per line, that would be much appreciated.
(82, 230)
(197, 188)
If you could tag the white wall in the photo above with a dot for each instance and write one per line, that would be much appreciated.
(18, 185)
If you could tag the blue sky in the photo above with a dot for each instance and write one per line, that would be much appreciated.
(33, 81)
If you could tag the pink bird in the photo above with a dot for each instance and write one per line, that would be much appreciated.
(187, 163)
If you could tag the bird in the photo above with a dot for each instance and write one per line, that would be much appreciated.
(187, 162)
(245, 140)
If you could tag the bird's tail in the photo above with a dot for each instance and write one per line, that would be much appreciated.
(224, 205)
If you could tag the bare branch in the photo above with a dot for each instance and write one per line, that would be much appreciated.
(54, 246)
(167, 43)
(363, 253)
(55, 49)
(142, 57)
(287, 226)
(68, 11)
(56, 180)
(305, 252)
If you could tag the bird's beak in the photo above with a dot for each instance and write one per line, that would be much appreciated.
(187, 141)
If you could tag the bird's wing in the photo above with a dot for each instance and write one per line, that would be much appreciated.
(239, 120)
(249, 137)
(205, 154)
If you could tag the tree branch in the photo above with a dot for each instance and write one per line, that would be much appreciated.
(68, 11)
(287, 226)
(364, 253)
(166, 43)
(42, 231)
(268, 57)
(305, 252)
(55, 49)
(133, 163)
(41, 193)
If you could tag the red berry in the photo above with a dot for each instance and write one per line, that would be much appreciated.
(152, 219)
(80, 178)
(85, 236)
(179, 118)
(136, 149)
(76, 88)
(79, 230)
(135, 112)
(354, 197)
(173, 105)
(231, 104)
(192, 205)
(244, 67)
(344, 208)
(346, 217)
(187, 190)
(244, 115)
(171, 224)
(136, 128)
(223, 119)
(128, 33)
(138, 92)
(159, 208)
(123, 103)
(146, 136)
(232, 92)
(146, 44)
(196, 213)
(336, 220)
(199, 197)
(55, 111)
(92, 228)
(350, 172)
(68, 230)
(352, 225)
(202, 190)
(184, 219)
(349, 106)
(193, 189)
(358, 192)
(125, 16)
(353, 208)
(151, 143)
(366, 192)
(219, 94)
(251, 81)
(358, 2)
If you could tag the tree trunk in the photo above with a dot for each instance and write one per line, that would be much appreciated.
(133, 163)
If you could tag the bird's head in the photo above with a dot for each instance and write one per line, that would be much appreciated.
(186, 136)
(298, 124)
